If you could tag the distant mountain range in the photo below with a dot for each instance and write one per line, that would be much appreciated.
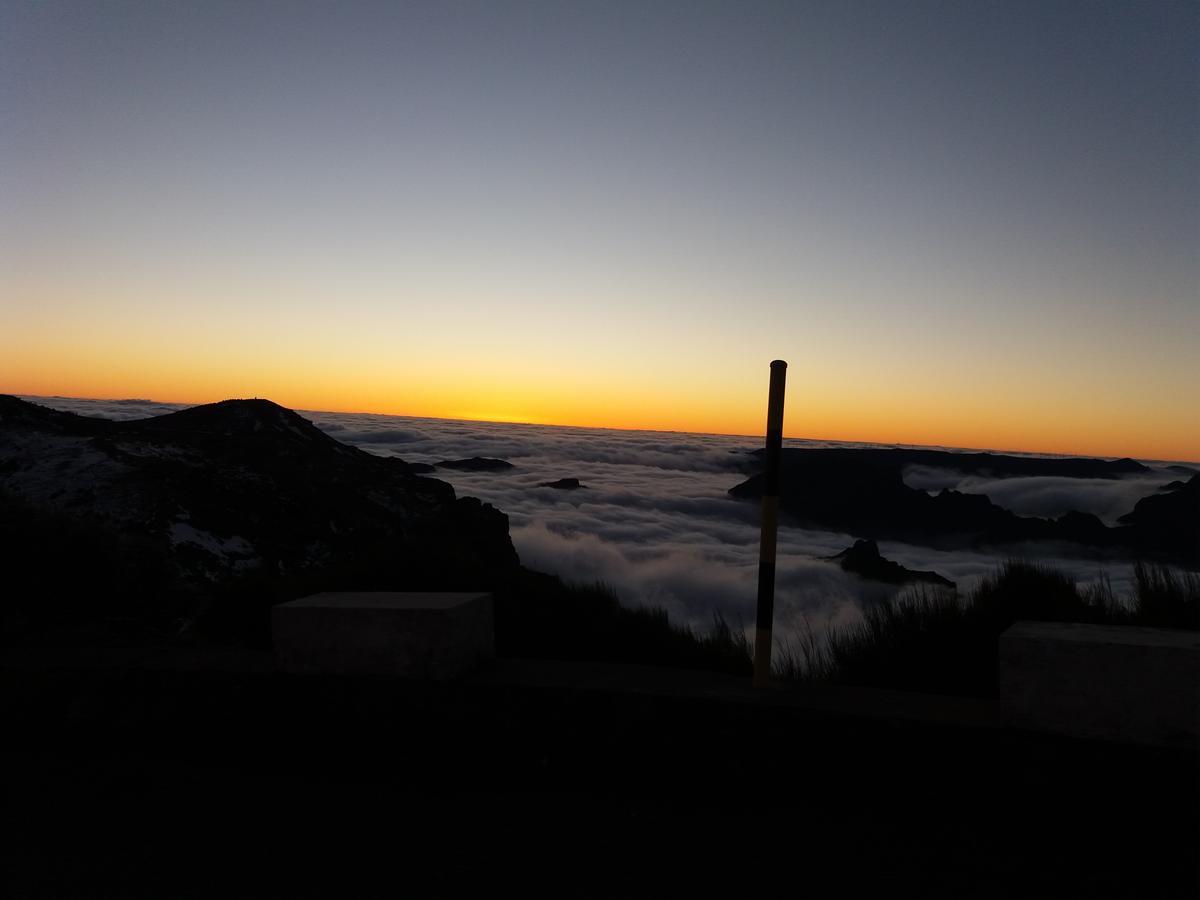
(991, 465)
(862, 492)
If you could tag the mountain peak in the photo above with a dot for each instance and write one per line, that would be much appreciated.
(239, 418)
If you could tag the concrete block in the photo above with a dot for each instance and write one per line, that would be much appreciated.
(1124, 683)
(413, 635)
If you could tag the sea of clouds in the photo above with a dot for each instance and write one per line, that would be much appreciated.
(656, 523)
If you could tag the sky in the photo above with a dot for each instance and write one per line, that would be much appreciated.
(965, 224)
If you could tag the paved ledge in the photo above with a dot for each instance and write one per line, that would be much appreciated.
(413, 635)
(550, 676)
(1120, 635)
(1134, 684)
(686, 684)
(150, 659)
(175, 739)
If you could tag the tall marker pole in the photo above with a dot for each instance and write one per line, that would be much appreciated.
(770, 523)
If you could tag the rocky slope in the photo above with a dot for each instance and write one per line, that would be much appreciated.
(195, 503)
(1170, 518)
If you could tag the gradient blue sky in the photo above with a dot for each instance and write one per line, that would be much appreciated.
(962, 223)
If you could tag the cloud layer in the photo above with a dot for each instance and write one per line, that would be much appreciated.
(1048, 497)
(655, 521)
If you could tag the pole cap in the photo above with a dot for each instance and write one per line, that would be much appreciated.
(778, 364)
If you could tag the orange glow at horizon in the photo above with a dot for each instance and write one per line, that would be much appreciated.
(956, 234)
(948, 419)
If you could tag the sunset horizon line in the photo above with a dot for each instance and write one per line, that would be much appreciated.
(586, 425)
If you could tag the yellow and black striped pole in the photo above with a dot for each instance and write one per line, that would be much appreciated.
(770, 523)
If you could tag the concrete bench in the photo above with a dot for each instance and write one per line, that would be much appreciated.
(1140, 685)
(414, 635)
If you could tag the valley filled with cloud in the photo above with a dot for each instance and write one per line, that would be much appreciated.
(653, 518)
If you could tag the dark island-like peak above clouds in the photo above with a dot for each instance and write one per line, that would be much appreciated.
(863, 491)
(564, 484)
(864, 559)
(475, 464)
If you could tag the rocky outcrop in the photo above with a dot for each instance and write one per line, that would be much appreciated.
(243, 491)
(1170, 518)
(863, 492)
(864, 560)
(866, 494)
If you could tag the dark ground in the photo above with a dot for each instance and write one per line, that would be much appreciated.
(126, 777)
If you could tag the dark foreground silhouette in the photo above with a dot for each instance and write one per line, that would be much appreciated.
(934, 640)
(187, 528)
(194, 516)
(152, 751)
(213, 783)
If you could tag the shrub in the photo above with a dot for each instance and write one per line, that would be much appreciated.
(931, 639)
(540, 616)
